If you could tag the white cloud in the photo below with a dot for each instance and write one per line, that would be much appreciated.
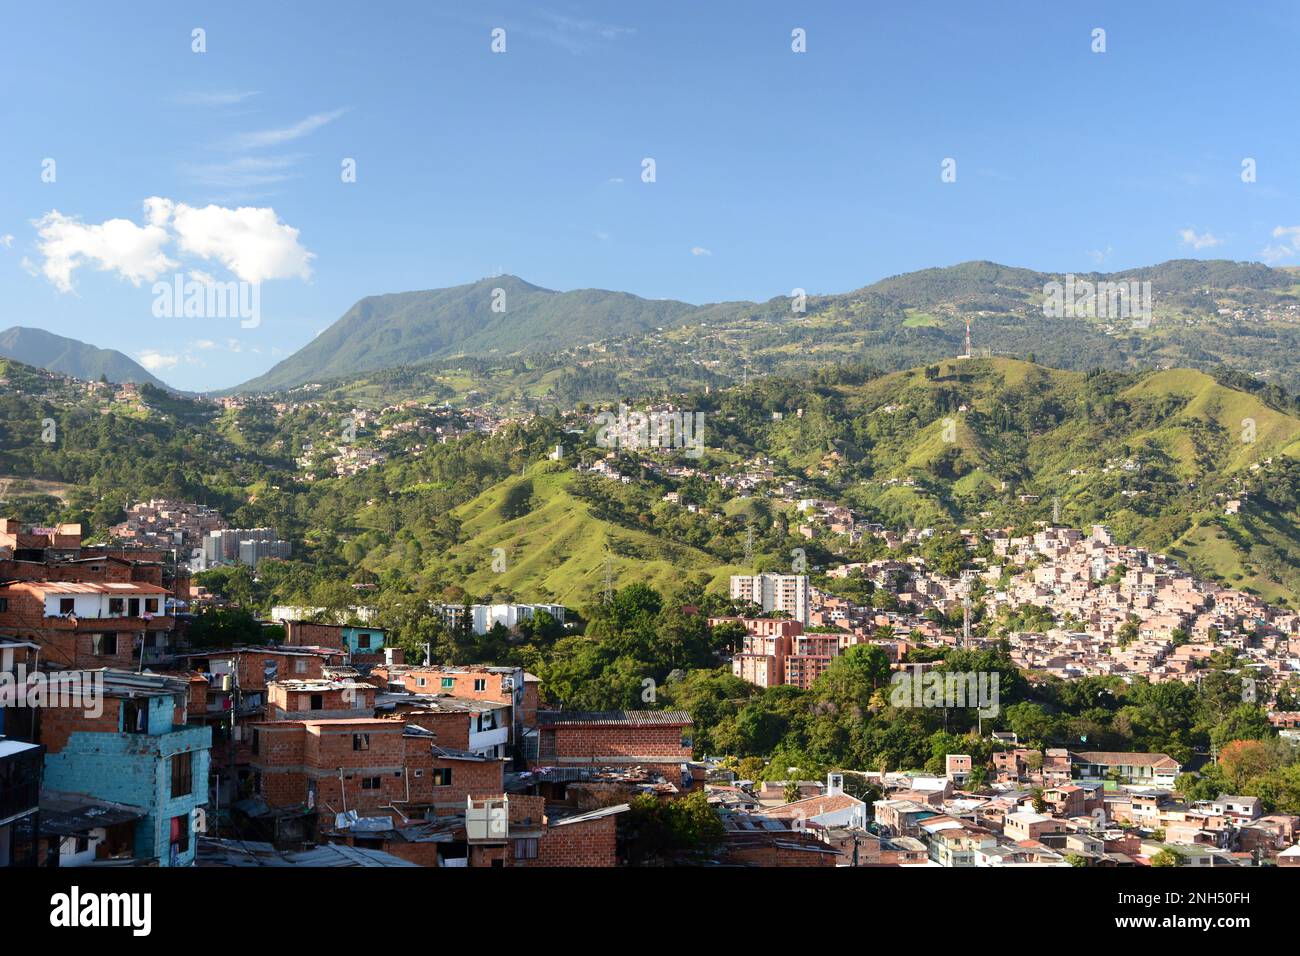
(205, 344)
(575, 34)
(700, 251)
(154, 361)
(118, 245)
(1099, 256)
(7, 240)
(285, 134)
(1205, 240)
(251, 242)
(214, 98)
(245, 171)
(1287, 248)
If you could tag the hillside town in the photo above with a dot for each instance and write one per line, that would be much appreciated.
(123, 743)
(1114, 610)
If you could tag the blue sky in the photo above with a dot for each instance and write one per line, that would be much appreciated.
(774, 170)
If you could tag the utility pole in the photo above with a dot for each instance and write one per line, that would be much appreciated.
(608, 596)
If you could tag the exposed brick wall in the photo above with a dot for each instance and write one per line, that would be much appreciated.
(305, 633)
(57, 724)
(589, 843)
(451, 729)
(463, 682)
(771, 855)
(284, 703)
(596, 740)
(468, 777)
(529, 711)
(251, 667)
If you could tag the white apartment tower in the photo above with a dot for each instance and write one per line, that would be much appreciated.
(774, 592)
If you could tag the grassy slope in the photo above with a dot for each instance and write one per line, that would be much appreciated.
(557, 549)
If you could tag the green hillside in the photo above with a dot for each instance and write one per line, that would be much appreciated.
(554, 549)
(558, 348)
(409, 327)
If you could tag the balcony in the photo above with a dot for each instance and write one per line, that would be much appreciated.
(113, 622)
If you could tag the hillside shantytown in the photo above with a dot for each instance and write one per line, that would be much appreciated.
(324, 743)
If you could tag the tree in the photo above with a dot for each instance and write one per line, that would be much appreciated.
(1167, 857)
(661, 832)
(224, 627)
(1242, 760)
(1245, 722)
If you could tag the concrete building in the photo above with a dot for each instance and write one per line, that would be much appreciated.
(137, 750)
(774, 592)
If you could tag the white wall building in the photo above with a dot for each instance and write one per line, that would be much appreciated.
(774, 592)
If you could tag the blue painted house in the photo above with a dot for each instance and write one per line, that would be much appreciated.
(363, 640)
(139, 750)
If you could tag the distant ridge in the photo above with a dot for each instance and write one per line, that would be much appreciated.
(505, 315)
(56, 353)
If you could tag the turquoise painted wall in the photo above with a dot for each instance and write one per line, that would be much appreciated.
(135, 769)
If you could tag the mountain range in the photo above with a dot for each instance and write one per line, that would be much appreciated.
(562, 347)
(1206, 313)
(57, 353)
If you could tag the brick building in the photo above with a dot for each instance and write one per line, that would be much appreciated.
(512, 686)
(83, 624)
(136, 749)
(767, 644)
(364, 764)
(656, 740)
(319, 699)
(477, 726)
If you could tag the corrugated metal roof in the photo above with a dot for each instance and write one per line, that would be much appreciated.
(80, 587)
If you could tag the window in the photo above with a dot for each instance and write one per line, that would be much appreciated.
(317, 701)
(300, 666)
(182, 775)
(4, 605)
(363, 640)
(135, 717)
(101, 644)
(257, 739)
(180, 841)
(116, 605)
(360, 741)
(448, 683)
(151, 605)
(370, 783)
(67, 605)
(441, 777)
(480, 683)
(133, 607)
(419, 774)
(526, 849)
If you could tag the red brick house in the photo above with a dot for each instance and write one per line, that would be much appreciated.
(657, 740)
(88, 625)
(364, 764)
